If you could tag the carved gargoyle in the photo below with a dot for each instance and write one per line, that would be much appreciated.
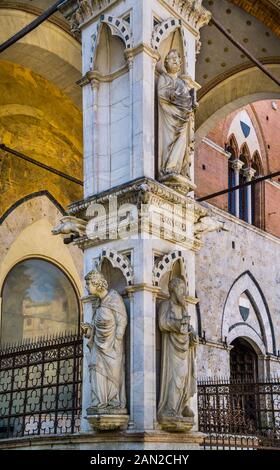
(70, 226)
(206, 224)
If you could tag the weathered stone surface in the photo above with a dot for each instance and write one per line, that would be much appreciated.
(244, 259)
(107, 422)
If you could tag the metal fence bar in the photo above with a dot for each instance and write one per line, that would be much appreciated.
(40, 387)
(240, 414)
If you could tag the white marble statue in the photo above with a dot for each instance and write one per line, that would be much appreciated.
(178, 380)
(106, 345)
(176, 104)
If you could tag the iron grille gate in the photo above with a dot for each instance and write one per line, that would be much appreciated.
(240, 414)
(40, 387)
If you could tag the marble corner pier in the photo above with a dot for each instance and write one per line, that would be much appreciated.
(139, 229)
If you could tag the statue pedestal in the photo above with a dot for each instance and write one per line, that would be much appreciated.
(175, 424)
(178, 182)
(107, 421)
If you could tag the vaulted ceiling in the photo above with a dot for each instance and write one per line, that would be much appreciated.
(219, 58)
(267, 11)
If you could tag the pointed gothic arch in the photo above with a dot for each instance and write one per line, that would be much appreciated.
(232, 147)
(246, 283)
(119, 261)
(118, 28)
(32, 196)
(245, 155)
(165, 265)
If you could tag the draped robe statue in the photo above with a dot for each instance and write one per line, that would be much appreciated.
(106, 335)
(176, 105)
(178, 373)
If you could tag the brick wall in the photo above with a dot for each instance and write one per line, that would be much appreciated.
(211, 167)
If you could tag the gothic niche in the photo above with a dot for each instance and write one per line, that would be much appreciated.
(176, 347)
(106, 335)
(178, 351)
(110, 75)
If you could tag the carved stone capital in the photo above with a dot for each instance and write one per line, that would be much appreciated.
(142, 47)
(143, 287)
(78, 12)
(192, 11)
(237, 164)
(249, 173)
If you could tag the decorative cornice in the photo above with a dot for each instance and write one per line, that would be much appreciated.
(215, 211)
(153, 186)
(79, 12)
(148, 197)
(192, 11)
(216, 147)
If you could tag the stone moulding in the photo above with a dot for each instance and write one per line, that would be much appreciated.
(95, 441)
(151, 201)
(145, 186)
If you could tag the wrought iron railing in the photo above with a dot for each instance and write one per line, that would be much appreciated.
(235, 408)
(40, 387)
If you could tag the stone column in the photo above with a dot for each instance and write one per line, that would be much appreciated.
(237, 165)
(143, 410)
(130, 66)
(249, 173)
(95, 86)
(86, 390)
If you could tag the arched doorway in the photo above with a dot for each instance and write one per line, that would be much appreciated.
(243, 361)
(244, 371)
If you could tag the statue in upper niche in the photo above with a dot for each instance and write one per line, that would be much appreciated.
(176, 106)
